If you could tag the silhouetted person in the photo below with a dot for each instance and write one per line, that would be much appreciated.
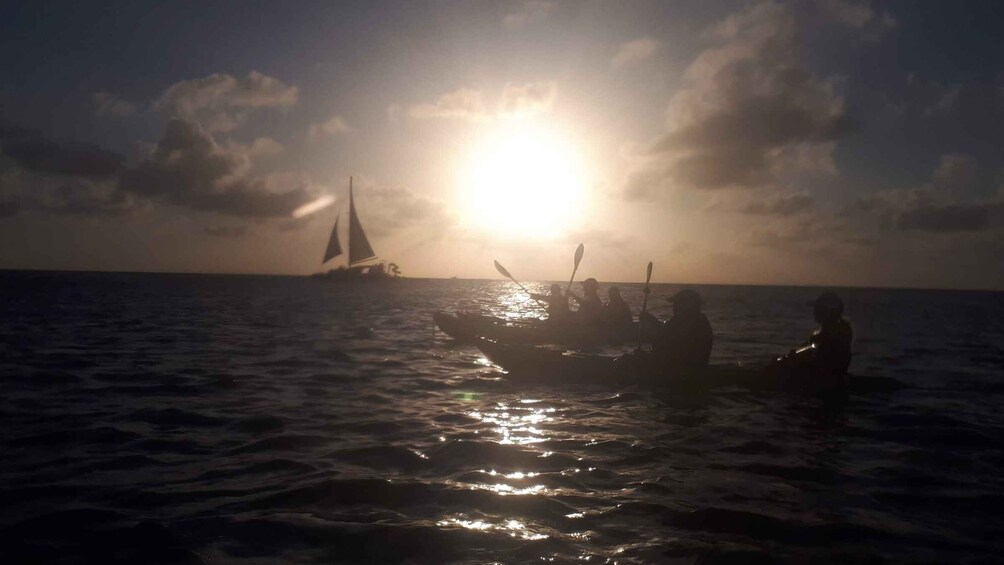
(616, 313)
(822, 361)
(557, 304)
(590, 305)
(684, 342)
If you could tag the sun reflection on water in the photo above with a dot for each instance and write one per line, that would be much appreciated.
(516, 425)
(514, 528)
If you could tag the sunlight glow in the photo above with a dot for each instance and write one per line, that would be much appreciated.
(522, 180)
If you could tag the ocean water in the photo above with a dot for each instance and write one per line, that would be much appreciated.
(238, 419)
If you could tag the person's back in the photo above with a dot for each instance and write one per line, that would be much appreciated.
(590, 305)
(683, 344)
(832, 348)
(822, 362)
(616, 313)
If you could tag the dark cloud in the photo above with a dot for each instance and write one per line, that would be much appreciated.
(190, 170)
(749, 114)
(34, 153)
(84, 198)
(952, 218)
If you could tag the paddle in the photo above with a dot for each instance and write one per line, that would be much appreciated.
(502, 270)
(578, 259)
(644, 303)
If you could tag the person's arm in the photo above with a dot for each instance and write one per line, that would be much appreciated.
(573, 296)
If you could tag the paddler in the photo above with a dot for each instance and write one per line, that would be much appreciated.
(683, 343)
(616, 313)
(590, 305)
(557, 304)
(822, 361)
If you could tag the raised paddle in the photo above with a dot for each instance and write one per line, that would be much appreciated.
(502, 270)
(644, 303)
(578, 259)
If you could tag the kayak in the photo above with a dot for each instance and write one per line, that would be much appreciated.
(538, 365)
(528, 363)
(468, 328)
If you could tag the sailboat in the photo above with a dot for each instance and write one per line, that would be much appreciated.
(360, 251)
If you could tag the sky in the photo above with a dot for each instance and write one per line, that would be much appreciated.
(830, 142)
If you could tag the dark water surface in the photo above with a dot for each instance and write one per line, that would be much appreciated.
(188, 418)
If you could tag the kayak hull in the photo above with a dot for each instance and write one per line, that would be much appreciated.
(536, 365)
(468, 328)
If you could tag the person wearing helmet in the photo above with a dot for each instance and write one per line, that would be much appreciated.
(557, 304)
(590, 305)
(683, 343)
(822, 361)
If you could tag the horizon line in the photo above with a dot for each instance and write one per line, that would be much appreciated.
(289, 275)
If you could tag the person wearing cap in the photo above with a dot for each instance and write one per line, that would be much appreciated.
(822, 361)
(616, 313)
(557, 304)
(683, 343)
(590, 305)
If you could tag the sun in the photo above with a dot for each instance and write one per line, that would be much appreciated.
(524, 181)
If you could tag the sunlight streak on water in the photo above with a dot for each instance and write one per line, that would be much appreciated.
(514, 528)
(517, 425)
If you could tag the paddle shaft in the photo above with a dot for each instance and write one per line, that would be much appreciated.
(644, 304)
(505, 272)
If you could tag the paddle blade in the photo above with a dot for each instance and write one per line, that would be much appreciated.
(501, 270)
(648, 273)
(578, 254)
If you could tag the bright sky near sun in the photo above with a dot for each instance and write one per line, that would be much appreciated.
(830, 142)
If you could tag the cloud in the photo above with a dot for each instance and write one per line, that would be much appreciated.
(956, 173)
(107, 104)
(748, 116)
(391, 210)
(260, 147)
(461, 104)
(858, 16)
(85, 198)
(220, 101)
(944, 205)
(527, 99)
(953, 217)
(515, 101)
(634, 52)
(532, 12)
(34, 153)
(226, 231)
(189, 169)
(333, 126)
(782, 205)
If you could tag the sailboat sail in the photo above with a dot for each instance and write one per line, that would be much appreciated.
(359, 246)
(334, 248)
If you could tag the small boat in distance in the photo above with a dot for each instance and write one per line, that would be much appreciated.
(360, 253)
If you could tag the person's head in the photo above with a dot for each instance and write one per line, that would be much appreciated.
(590, 285)
(686, 301)
(614, 293)
(827, 308)
(555, 290)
